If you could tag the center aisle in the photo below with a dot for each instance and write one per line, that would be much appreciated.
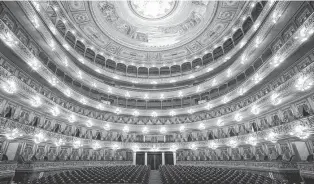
(155, 177)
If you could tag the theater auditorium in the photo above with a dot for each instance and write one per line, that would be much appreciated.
(156, 92)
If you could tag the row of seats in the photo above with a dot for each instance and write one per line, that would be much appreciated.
(107, 174)
(210, 175)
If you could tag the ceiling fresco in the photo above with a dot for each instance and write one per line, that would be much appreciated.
(153, 31)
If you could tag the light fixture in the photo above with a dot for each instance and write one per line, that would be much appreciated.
(154, 114)
(212, 145)
(127, 95)
(256, 25)
(257, 42)
(117, 111)
(100, 107)
(126, 129)
(251, 140)
(77, 144)
(66, 64)
(115, 77)
(190, 111)
(155, 148)
(135, 113)
(198, 89)
(89, 123)
(96, 146)
(256, 78)
(145, 130)
(13, 134)
(304, 34)
(109, 90)
(115, 147)
(232, 143)
(146, 96)
(59, 142)
(229, 72)
(72, 118)
(9, 86)
(193, 147)
(36, 101)
(52, 45)
(255, 110)
(163, 130)
(300, 131)
(304, 83)
(172, 113)
(66, 46)
(180, 94)
(55, 111)
(220, 122)
(67, 92)
(241, 91)
(238, 117)
(9, 40)
(182, 128)
(275, 17)
(135, 148)
(81, 60)
(242, 43)
(201, 126)
(83, 101)
(38, 138)
(36, 5)
(277, 60)
(34, 64)
(275, 99)
(162, 96)
(271, 137)
(79, 74)
(173, 147)
(107, 127)
(53, 81)
(208, 106)
(214, 83)
(53, 30)
(225, 100)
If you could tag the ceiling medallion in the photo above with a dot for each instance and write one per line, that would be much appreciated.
(152, 9)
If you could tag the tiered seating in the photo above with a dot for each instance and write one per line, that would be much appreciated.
(108, 174)
(210, 175)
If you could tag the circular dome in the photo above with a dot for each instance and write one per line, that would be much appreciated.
(153, 31)
(152, 9)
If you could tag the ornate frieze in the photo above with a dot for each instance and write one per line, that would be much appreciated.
(280, 132)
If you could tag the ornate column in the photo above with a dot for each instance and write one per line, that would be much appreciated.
(145, 158)
(163, 158)
(174, 158)
(134, 157)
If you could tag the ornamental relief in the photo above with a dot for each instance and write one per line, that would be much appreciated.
(78, 11)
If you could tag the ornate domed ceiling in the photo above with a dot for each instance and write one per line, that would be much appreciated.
(153, 31)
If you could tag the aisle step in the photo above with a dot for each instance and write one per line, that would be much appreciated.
(154, 177)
